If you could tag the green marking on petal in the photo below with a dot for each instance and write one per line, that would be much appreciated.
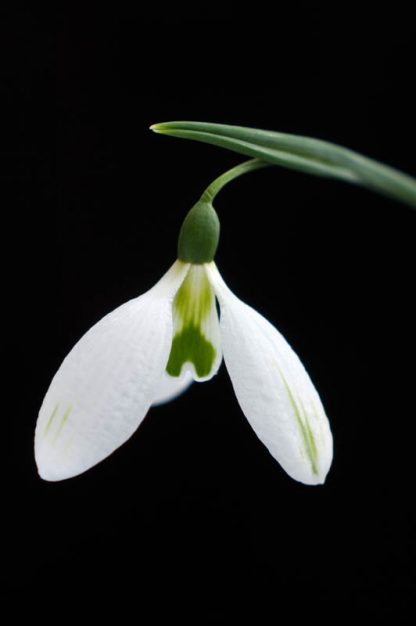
(52, 417)
(64, 418)
(307, 434)
(194, 299)
(190, 346)
(192, 307)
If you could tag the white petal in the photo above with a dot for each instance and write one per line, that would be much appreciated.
(196, 344)
(273, 389)
(106, 384)
(170, 387)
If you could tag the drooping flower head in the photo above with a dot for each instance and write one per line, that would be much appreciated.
(150, 349)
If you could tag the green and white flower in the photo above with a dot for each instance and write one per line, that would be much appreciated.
(150, 349)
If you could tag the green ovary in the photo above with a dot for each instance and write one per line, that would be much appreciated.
(190, 346)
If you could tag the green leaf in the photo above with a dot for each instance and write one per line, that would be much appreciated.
(305, 154)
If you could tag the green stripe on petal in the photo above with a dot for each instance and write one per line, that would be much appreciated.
(307, 434)
(63, 420)
(57, 428)
(196, 335)
(52, 417)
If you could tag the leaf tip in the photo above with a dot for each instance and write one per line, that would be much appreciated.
(157, 128)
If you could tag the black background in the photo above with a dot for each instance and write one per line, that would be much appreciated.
(192, 516)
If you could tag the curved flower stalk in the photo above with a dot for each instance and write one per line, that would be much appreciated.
(151, 348)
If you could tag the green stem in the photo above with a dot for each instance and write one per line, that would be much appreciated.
(243, 168)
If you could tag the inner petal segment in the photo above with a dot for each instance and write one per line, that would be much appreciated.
(196, 333)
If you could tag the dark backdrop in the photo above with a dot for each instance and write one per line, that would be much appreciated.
(192, 516)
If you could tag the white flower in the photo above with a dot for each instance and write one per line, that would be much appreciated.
(148, 351)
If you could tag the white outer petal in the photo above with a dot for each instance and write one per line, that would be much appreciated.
(258, 358)
(170, 387)
(105, 386)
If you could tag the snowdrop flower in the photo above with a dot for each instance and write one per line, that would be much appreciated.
(150, 349)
